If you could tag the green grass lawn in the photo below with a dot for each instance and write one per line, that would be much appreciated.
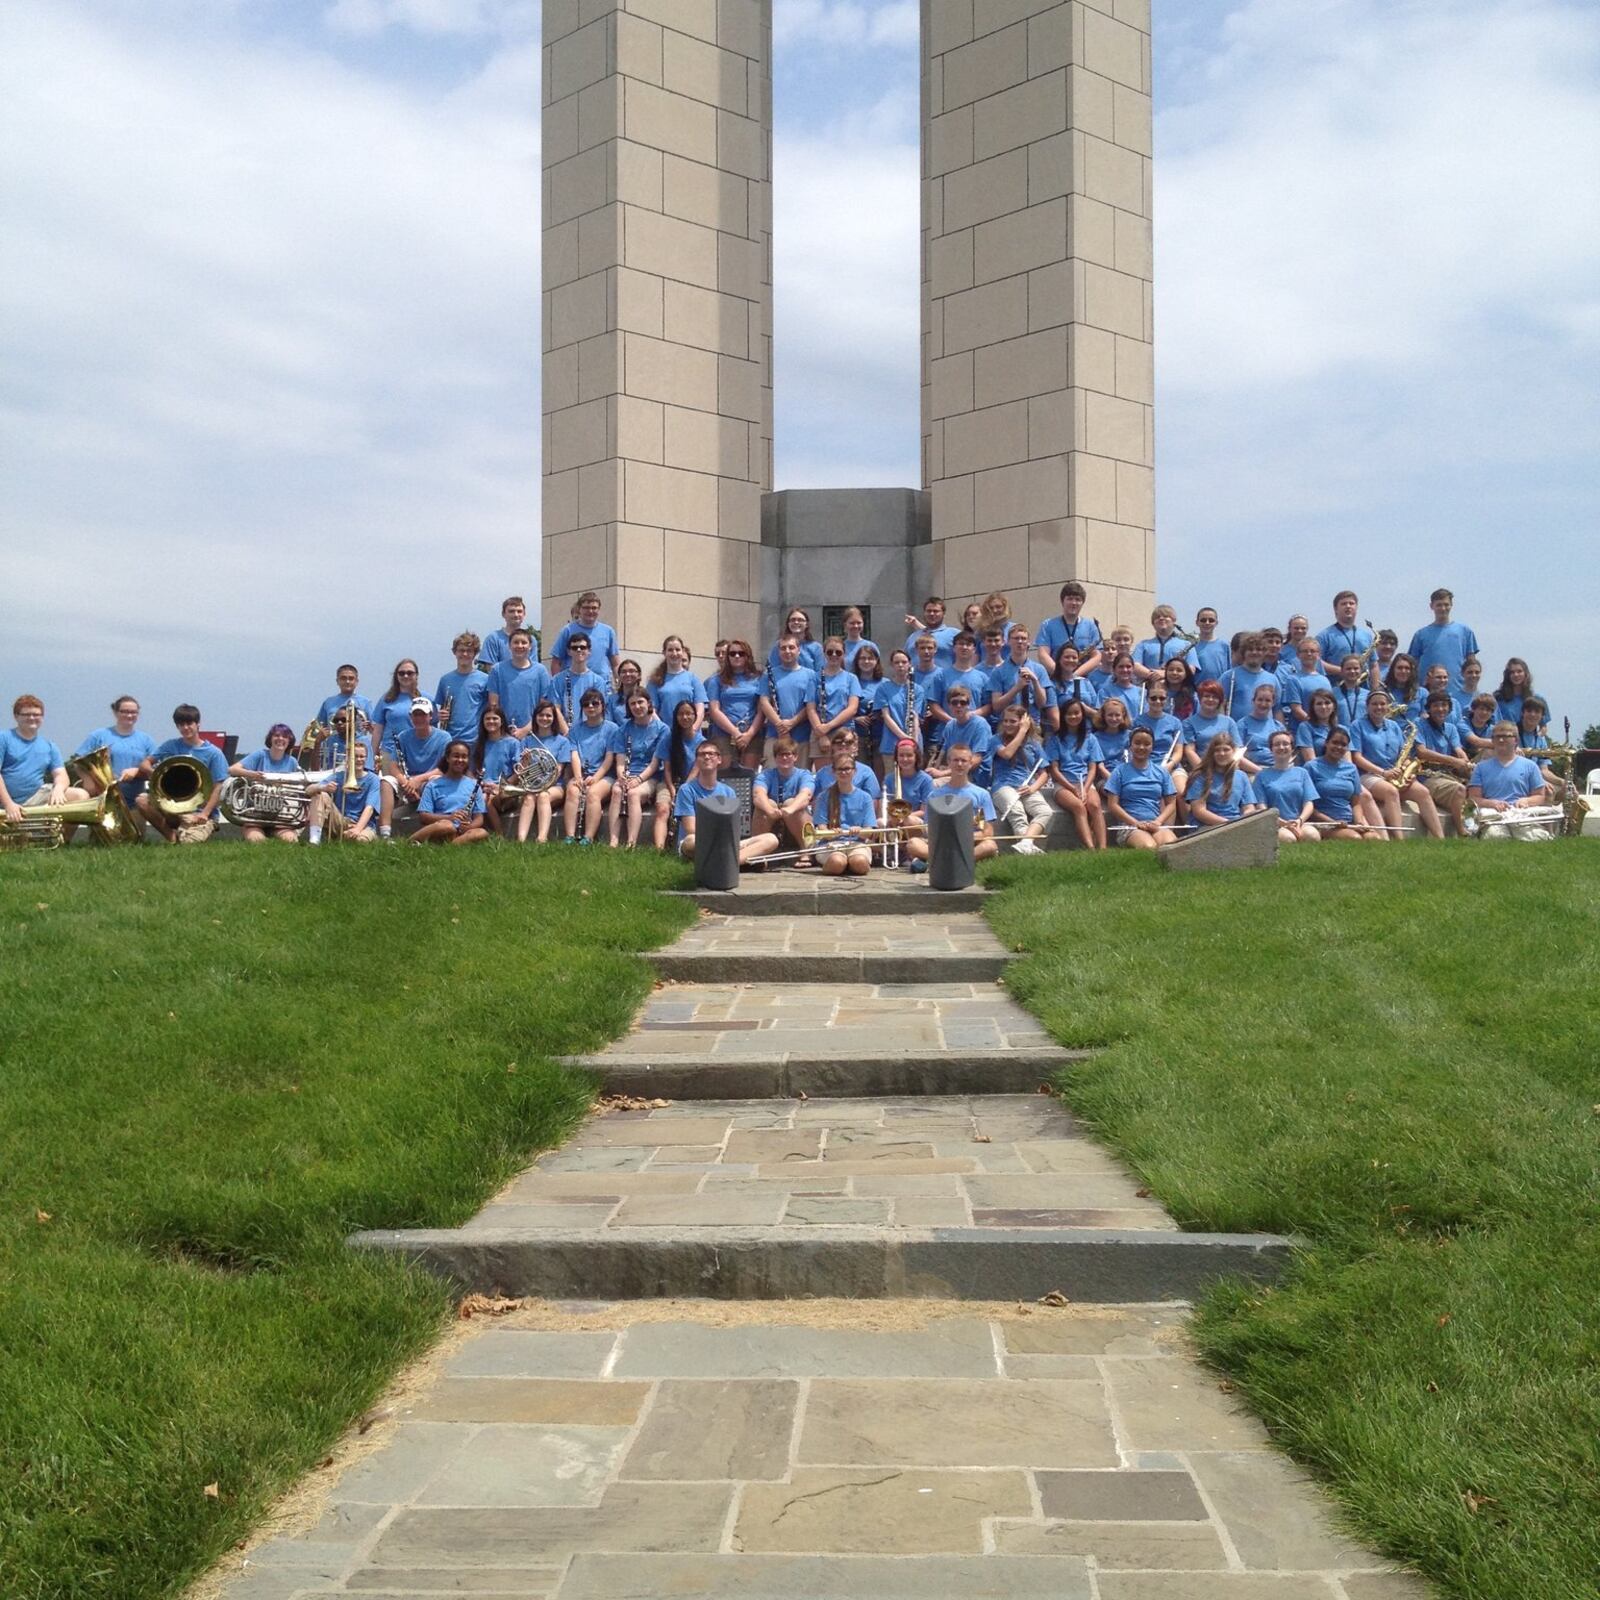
(1396, 1055)
(214, 1064)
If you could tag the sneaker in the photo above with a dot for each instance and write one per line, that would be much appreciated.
(919, 866)
(585, 840)
(570, 839)
(1027, 847)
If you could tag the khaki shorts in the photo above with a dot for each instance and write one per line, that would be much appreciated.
(1443, 787)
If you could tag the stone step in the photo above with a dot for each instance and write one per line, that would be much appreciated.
(755, 1041)
(944, 948)
(880, 894)
(1110, 1266)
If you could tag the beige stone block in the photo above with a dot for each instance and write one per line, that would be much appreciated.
(1052, 167)
(1134, 253)
(743, 146)
(952, 509)
(1094, 487)
(993, 437)
(946, 25)
(707, 566)
(1056, 552)
(739, 388)
(637, 180)
(739, 619)
(1136, 495)
(691, 66)
(1050, 424)
(1112, 174)
(739, 28)
(580, 184)
(1091, 104)
(1050, 297)
(973, 564)
(638, 301)
(669, 247)
(558, 502)
(985, 315)
(700, 441)
(599, 493)
(1136, 13)
(577, 561)
(698, 193)
(669, 121)
(951, 385)
(949, 142)
(933, 453)
(578, 310)
(984, 190)
(578, 436)
(1149, 313)
(696, 17)
(656, 611)
(600, 113)
(559, 378)
(1091, 231)
(1032, 491)
(579, 58)
(1020, 242)
(705, 319)
(655, 369)
(639, 555)
(1053, 39)
(1116, 554)
(1116, 428)
(1093, 361)
(599, 367)
(1136, 370)
(558, 131)
(741, 266)
(559, 255)
(669, 497)
(1019, 116)
(989, 64)
(560, 18)
(1113, 49)
(739, 512)
(950, 263)
(636, 430)
(1113, 301)
(600, 239)
(1133, 128)
(1035, 363)
(638, 48)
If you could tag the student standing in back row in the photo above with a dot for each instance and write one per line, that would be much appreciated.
(1443, 642)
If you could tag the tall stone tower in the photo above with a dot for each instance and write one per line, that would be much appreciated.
(1037, 371)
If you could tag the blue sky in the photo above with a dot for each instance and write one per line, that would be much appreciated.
(269, 323)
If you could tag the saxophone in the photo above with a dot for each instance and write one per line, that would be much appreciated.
(1406, 765)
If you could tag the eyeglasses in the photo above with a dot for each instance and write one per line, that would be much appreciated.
(738, 655)
(406, 672)
(576, 646)
(832, 654)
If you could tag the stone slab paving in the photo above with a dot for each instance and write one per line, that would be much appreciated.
(1074, 1454)
(986, 1161)
(938, 934)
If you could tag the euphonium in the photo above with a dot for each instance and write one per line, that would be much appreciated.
(180, 785)
(266, 800)
(44, 826)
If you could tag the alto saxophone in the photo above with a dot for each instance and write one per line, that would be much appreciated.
(1406, 765)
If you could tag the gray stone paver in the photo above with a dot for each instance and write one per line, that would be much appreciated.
(964, 933)
(799, 1462)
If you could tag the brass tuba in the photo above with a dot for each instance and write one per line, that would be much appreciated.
(44, 826)
(267, 800)
(180, 785)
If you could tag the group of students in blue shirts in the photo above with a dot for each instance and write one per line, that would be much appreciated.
(1132, 740)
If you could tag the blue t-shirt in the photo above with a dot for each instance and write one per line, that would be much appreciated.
(390, 716)
(1036, 695)
(1255, 734)
(974, 733)
(1443, 644)
(568, 688)
(691, 743)
(1520, 778)
(466, 692)
(500, 759)
(1080, 689)
(691, 790)
(1210, 658)
(914, 790)
(858, 809)
(1336, 787)
(1336, 642)
(1295, 688)
(1011, 772)
(1074, 759)
(603, 651)
(1230, 805)
(737, 699)
(1445, 741)
(1083, 635)
(1352, 704)
(26, 764)
(442, 796)
(1163, 730)
(1113, 746)
(1156, 653)
(866, 782)
(781, 790)
(891, 697)
(1380, 745)
(676, 689)
(593, 742)
(262, 761)
(835, 692)
(1200, 730)
(336, 703)
(519, 690)
(352, 802)
(852, 646)
(1141, 791)
(123, 752)
(206, 753)
(419, 755)
(636, 747)
(1510, 710)
(810, 657)
(982, 801)
(973, 679)
(1286, 791)
(496, 647)
(559, 746)
(794, 690)
(945, 656)
(1312, 736)
(1130, 694)
(1239, 685)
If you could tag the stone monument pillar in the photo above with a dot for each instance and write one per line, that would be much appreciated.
(1038, 443)
(657, 307)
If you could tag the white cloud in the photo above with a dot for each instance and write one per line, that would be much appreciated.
(364, 18)
(845, 22)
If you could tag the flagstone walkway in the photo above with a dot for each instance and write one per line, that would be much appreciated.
(1052, 1436)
